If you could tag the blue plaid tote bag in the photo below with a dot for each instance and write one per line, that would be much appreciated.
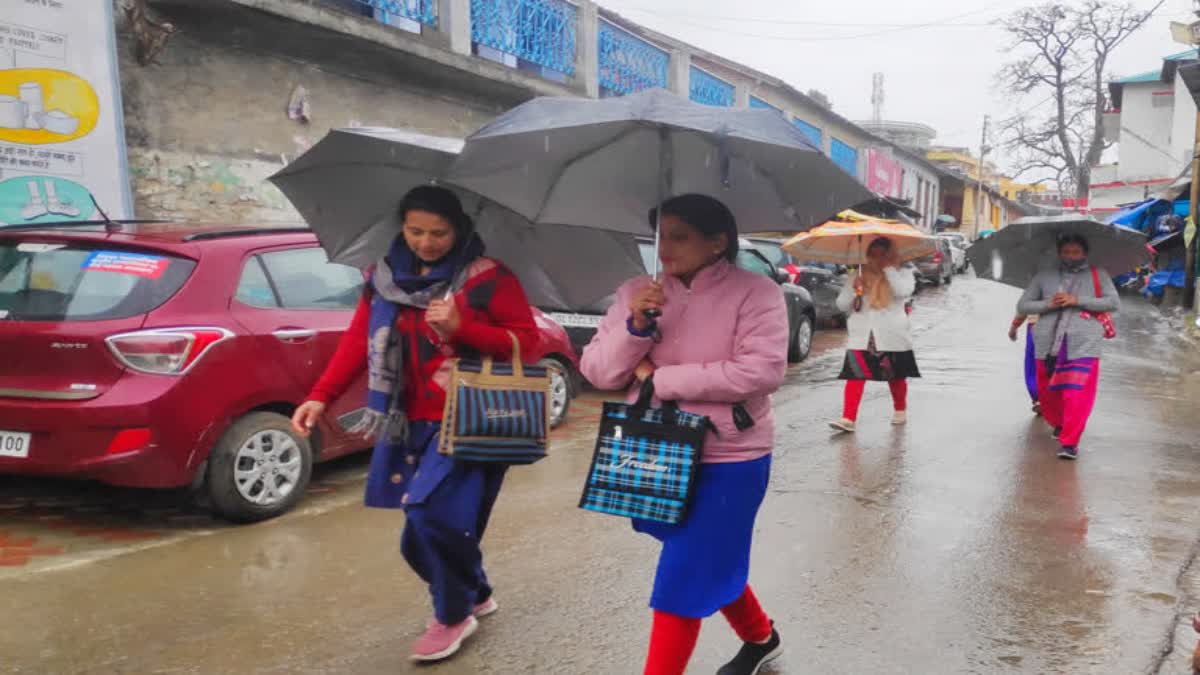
(645, 460)
(496, 412)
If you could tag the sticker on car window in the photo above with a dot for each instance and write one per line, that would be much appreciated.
(38, 247)
(123, 262)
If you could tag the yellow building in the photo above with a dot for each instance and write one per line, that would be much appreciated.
(1014, 190)
(1000, 193)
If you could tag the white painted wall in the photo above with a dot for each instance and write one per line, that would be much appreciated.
(1145, 150)
(1110, 198)
(1183, 126)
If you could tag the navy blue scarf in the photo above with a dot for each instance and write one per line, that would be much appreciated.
(395, 283)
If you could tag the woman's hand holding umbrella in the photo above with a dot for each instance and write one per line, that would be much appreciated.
(649, 299)
(443, 317)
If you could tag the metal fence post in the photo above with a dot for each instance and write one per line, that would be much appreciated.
(587, 48)
(679, 77)
(454, 20)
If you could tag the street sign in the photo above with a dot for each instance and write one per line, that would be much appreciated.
(1185, 33)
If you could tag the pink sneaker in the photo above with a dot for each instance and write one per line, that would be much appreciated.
(486, 607)
(441, 641)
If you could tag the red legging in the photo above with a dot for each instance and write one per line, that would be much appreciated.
(673, 638)
(854, 394)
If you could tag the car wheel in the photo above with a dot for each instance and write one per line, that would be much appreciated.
(259, 469)
(950, 279)
(801, 340)
(560, 391)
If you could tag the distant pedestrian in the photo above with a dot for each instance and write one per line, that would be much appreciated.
(1069, 338)
(1030, 356)
(879, 344)
(432, 297)
(719, 349)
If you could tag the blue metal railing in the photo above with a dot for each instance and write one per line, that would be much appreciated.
(813, 132)
(709, 89)
(845, 156)
(757, 103)
(629, 64)
(387, 11)
(541, 32)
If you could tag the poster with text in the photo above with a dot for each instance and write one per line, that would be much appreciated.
(62, 137)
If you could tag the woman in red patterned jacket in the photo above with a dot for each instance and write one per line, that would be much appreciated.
(433, 297)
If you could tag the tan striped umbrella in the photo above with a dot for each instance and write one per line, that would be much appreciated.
(846, 243)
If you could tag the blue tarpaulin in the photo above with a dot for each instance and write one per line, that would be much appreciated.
(1141, 216)
(1159, 281)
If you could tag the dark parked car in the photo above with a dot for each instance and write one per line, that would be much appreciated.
(823, 281)
(802, 315)
(173, 355)
(937, 268)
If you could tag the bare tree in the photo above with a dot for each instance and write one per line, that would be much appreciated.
(1063, 53)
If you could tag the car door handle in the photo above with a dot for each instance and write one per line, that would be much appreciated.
(294, 334)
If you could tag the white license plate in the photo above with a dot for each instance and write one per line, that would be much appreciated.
(577, 320)
(14, 444)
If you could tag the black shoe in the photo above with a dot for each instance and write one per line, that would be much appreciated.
(1068, 453)
(1057, 432)
(753, 657)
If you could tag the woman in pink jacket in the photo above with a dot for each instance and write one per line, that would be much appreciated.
(719, 348)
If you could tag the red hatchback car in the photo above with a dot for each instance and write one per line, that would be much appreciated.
(163, 355)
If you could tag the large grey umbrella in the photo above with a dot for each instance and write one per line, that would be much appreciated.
(348, 185)
(606, 162)
(1016, 253)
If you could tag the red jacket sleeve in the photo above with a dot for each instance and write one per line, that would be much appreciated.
(350, 358)
(507, 312)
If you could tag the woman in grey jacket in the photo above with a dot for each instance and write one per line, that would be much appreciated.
(1069, 338)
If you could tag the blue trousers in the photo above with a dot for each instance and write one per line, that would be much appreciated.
(447, 505)
(1031, 365)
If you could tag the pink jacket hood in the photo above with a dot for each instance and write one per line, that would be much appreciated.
(723, 341)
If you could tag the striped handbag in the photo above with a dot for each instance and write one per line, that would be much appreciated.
(645, 460)
(496, 412)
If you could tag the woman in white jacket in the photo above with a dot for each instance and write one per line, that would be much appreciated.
(880, 343)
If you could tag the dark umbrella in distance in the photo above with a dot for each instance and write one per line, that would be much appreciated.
(1015, 254)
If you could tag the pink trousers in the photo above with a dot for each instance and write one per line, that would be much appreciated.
(1068, 396)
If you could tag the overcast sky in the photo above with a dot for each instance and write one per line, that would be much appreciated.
(942, 75)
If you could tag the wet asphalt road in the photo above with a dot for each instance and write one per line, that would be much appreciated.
(957, 544)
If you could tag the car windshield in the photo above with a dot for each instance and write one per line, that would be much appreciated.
(774, 253)
(41, 281)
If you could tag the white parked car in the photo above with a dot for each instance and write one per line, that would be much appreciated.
(958, 250)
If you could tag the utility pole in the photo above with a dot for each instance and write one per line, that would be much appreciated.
(1190, 34)
(877, 98)
(983, 150)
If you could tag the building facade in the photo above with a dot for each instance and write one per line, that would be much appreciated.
(1153, 123)
(237, 88)
(976, 195)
